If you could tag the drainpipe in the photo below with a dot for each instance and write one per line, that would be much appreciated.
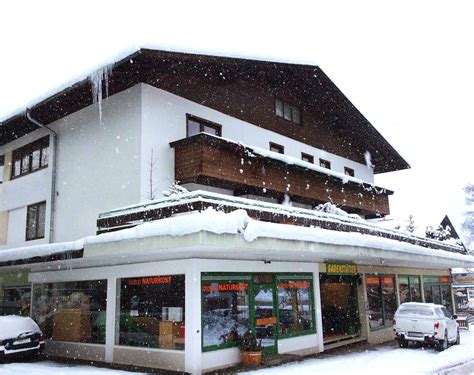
(54, 137)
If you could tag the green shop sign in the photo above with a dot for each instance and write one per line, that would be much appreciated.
(341, 269)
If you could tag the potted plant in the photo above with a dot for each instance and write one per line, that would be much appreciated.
(250, 349)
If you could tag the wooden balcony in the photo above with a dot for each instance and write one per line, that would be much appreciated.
(214, 161)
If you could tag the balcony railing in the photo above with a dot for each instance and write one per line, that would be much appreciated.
(215, 161)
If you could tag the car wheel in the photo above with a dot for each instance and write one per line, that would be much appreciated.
(458, 338)
(442, 344)
(403, 343)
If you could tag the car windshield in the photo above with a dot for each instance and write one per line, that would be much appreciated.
(415, 310)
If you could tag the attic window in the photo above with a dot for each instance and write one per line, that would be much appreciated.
(287, 111)
(307, 158)
(325, 163)
(196, 125)
(275, 147)
(349, 171)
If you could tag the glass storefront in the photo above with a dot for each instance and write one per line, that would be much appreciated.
(339, 304)
(71, 311)
(225, 313)
(151, 312)
(437, 289)
(409, 288)
(274, 306)
(381, 300)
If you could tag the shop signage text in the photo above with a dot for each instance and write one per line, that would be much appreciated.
(341, 269)
(225, 288)
(150, 280)
(296, 284)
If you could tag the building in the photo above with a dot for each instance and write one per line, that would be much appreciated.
(169, 280)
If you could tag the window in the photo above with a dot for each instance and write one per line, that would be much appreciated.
(71, 311)
(307, 158)
(381, 300)
(287, 111)
(196, 125)
(324, 163)
(349, 171)
(409, 288)
(2, 165)
(225, 302)
(275, 147)
(30, 158)
(35, 221)
(294, 305)
(152, 312)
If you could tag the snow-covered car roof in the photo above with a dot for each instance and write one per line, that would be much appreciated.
(11, 326)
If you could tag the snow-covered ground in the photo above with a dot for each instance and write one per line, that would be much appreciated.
(48, 367)
(383, 360)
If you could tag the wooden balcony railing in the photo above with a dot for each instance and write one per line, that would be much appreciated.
(214, 161)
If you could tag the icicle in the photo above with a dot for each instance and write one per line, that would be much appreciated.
(97, 80)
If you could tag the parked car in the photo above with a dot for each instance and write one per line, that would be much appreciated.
(425, 323)
(19, 335)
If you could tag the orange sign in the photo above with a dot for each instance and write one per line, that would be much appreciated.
(444, 279)
(150, 280)
(265, 321)
(372, 280)
(296, 284)
(387, 280)
(225, 288)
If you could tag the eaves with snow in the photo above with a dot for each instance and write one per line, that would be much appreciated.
(214, 234)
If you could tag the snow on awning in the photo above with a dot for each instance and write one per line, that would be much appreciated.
(238, 223)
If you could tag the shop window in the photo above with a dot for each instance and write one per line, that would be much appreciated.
(196, 125)
(16, 301)
(35, 221)
(307, 158)
(295, 306)
(409, 288)
(152, 312)
(381, 300)
(30, 158)
(225, 310)
(72, 311)
(437, 290)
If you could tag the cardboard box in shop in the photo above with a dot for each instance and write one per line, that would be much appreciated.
(72, 325)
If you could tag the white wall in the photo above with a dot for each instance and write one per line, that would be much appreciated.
(98, 169)
(164, 121)
(98, 165)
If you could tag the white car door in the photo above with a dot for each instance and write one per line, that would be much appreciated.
(450, 324)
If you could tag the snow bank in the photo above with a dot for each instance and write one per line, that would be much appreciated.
(11, 326)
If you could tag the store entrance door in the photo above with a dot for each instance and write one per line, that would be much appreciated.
(265, 317)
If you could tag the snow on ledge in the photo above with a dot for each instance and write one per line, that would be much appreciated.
(237, 222)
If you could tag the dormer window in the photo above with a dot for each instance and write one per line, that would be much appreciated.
(349, 171)
(307, 158)
(275, 147)
(287, 111)
(325, 163)
(196, 125)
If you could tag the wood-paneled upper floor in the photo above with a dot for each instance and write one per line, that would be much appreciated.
(298, 101)
(213, 161)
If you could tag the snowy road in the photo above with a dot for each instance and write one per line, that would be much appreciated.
(384, 361)
(50, 368)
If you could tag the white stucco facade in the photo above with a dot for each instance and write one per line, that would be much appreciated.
(104, 163)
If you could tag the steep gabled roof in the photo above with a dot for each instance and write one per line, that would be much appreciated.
(154, 67)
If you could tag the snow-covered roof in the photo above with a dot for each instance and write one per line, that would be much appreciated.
(240, 224)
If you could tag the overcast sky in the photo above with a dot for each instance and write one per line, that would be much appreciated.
(408, 66)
